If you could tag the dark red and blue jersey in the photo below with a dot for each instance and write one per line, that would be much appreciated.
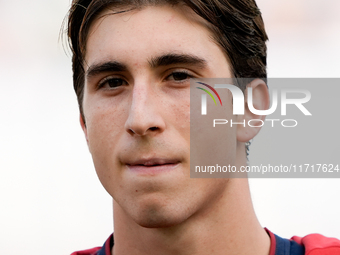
(104, 250)
(313, 244)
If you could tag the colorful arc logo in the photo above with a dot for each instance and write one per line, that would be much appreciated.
(209, 92)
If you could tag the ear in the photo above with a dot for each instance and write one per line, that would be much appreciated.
(83, 126)
(260, 101)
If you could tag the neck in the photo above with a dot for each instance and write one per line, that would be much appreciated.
(227, 226)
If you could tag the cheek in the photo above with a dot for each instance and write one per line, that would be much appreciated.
(182, 118)
(105, 122)
(181, 111)
(211, 145)
(104, 128)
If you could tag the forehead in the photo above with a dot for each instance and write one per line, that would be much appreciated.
(150, 30)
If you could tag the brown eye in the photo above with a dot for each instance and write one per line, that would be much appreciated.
(112, 83)
(179, 76)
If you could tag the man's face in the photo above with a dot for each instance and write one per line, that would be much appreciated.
(137, 110)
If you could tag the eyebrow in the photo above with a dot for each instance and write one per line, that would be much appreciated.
(173, 59)
(164, 60)
(110, 66)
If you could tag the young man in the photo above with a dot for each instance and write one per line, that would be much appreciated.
(132, 61)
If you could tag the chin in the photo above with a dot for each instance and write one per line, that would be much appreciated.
(157, 220)
(158, 215)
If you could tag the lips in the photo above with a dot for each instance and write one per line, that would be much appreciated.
(152, 162)
(152, 165)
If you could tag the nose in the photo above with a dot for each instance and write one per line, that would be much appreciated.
(145, 113)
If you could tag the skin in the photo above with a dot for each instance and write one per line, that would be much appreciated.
(137, 116)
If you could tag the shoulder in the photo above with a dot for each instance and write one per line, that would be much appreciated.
(316, 244)
(92, 251)
(104, 250)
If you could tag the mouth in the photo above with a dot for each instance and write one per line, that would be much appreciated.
(152, 165)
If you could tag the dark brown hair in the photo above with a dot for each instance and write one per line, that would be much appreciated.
(237, 27)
